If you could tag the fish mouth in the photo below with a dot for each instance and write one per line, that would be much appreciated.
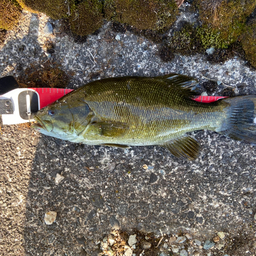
(39, 124)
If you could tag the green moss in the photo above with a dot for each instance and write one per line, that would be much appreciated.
(55, 9)
(212, 38)
(185, 41)
(86, 18)
(248, 40)
(9, 14)
(223, 20)
(142, 14)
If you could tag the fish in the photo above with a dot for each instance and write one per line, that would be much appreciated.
(144, 111)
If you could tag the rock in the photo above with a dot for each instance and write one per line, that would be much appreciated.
(48, 29)
(153, 178)
(220, 246)
(145, 167)
(114, 222)
(111, 240)
(175, 249)
(255, 216)
(188, 236)
(197, 242)
(117, 38)
(208, 245)
(128, 252)
(216, 239)
(196, 254)
(210, 51)
(183, 253)
(221, 235)
(181, 239)
(146, 245)
(132, 240)
(50, 217)
(58, 179)
(172, 240)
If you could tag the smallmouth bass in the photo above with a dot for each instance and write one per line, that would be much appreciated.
(143, 111)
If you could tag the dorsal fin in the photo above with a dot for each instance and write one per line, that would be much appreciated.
(180, 80)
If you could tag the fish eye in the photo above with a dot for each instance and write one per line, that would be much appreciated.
(50, 112)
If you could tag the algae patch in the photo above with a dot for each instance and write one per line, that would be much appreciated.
(9, 14)
(142, 14)
(249, 42)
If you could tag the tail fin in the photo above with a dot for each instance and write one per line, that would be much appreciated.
(241, 119)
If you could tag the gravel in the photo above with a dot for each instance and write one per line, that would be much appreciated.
(97, 191)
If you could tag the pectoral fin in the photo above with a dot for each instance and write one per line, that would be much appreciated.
(111, 129)
(183, 147)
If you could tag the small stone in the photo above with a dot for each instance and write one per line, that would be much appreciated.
(175, 249)
(58, 179)
(188, 236)
(255, 216)
(254, 245)
(153, 178)
(114, 222)
(145, 167)
(117, 37)
(220, 246)
(128, 252)
(111, 240)
(172, 240)
(146, 245)
(181, 239)
(210, 51)
(196, 254)
(216, 239)
(208, 245)
(48, 29)
(132, 240)
(183, 253)
(221, 235)
(50, 217)
(197, 242)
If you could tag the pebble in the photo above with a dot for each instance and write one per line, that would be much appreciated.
(48, 29)
(210, 51)
(111, 240)
(220, 246)
(196, 254)
(221, 235)
(145, 167)
(183, 253)
(128, 252)
(216, 239)
(117, 37)
(181, 239)
(175, 249)
(132, 240)
(197, 242)
(255, 216)
(208, 245)
(172, 240)
(146, 245)
(50, 217)
(188, 236)
(58, 179)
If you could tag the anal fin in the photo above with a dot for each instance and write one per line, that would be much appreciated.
(183, 147)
